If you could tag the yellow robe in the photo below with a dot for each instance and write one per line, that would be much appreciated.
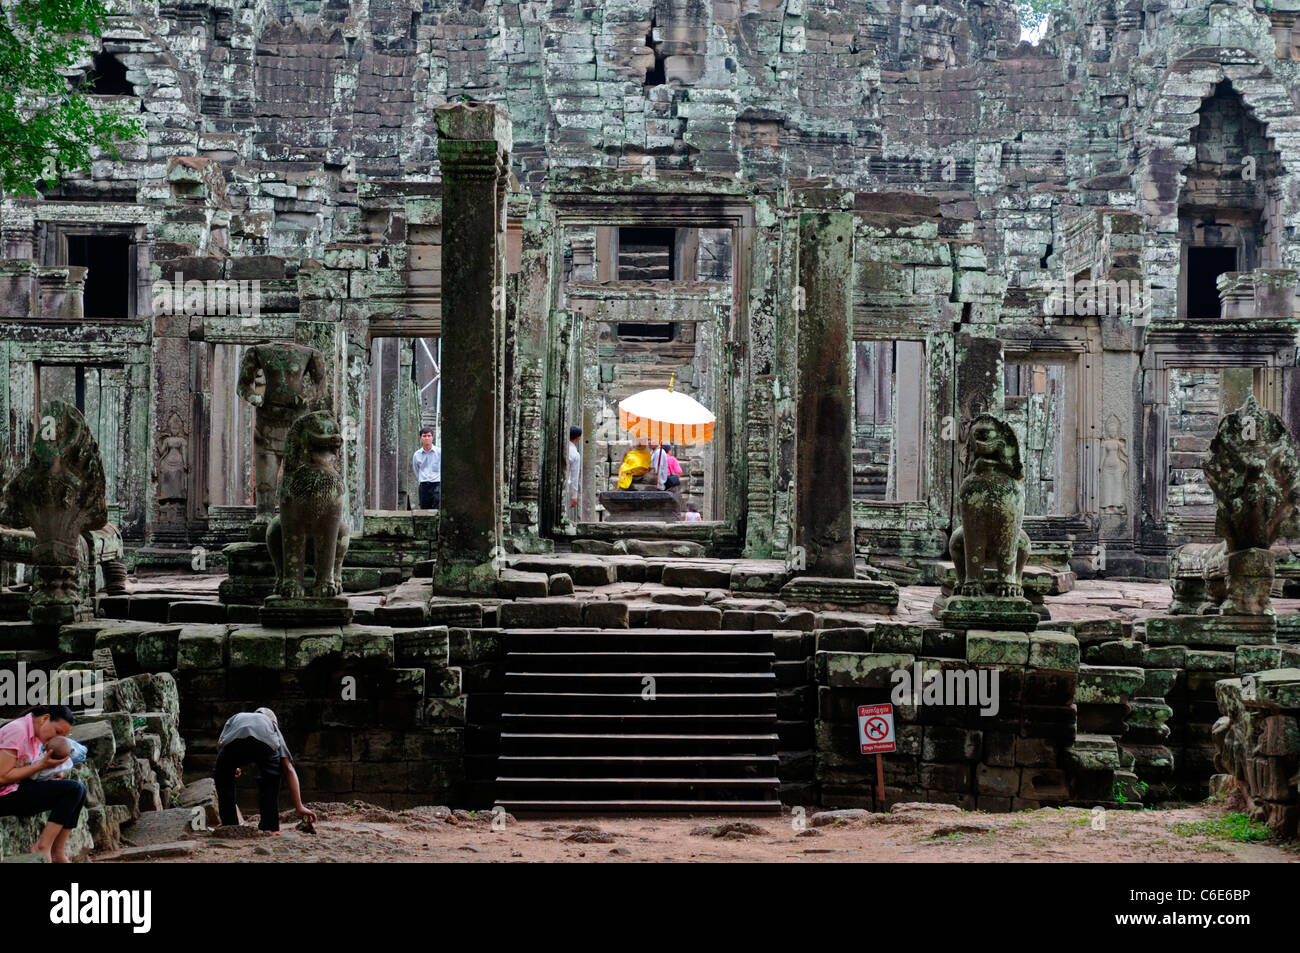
(634, 464)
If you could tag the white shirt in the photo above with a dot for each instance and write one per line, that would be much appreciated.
(427, 465)
(573, 478)
(659, 464)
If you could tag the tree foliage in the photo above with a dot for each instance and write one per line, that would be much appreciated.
(1034, 13)
(47, 119)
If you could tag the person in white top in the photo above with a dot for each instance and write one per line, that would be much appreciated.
(573, 478)
(427, 464)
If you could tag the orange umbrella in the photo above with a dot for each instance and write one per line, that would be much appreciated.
(666, 416)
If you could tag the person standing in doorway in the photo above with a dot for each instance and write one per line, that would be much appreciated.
(573, 477)
(427, 464)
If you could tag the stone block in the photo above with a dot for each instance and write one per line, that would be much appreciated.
(684, 617)
(900, 639)
(304, 648)
(540, 613)
(605, 615)
(859, 670)
(997, 781)
(1107, 684)
(156, 650)
(997, 648)
(1053, 650)
(201, 646)
(99, 741)
(258, 648)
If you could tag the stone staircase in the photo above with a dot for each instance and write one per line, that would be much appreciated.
(642, 720)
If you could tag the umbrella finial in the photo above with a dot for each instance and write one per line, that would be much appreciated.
(672, 378)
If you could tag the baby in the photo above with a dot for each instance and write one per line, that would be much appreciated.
(61, 748)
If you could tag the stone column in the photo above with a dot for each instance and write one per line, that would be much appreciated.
(474, 142)
(824, 497)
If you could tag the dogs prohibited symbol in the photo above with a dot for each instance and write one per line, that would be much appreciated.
(876, 728)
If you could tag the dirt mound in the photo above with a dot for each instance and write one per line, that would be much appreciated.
(238, 832)
(732, 830)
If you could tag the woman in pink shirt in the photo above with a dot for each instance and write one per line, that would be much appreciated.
(21, 795)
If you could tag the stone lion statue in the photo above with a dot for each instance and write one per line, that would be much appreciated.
(312, 502)
(61, 494)
(992, 507)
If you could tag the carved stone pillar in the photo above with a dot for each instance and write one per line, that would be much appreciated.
(825, 455)
(474, 142)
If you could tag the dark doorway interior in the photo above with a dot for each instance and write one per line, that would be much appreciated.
(1204, 265)
(107, 259)
(630, 331)
(108, 77)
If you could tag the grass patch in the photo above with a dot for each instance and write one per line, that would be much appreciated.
(1234, 826)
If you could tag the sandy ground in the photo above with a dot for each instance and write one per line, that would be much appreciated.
(928, 833)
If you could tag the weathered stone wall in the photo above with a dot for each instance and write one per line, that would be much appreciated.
(368, 711)
(310, 158)
(1006, 756)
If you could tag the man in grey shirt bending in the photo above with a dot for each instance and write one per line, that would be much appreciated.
(254, 737)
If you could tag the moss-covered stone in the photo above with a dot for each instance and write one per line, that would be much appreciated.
(201, 647)
(1053, 650)
(256, 647)
(997, 648)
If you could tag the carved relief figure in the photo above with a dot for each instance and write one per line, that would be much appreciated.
(1114, 469)
(992, 505)
(313, 499)
(282, 381)
(173, 462)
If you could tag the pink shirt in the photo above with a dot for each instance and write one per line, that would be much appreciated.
(20, 737)
(673, 466)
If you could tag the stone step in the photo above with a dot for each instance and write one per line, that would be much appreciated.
(641, 806)
(642, 640)
(634, 683)
(632, 788)
(619, 703)
(641, 662)
(587, 766)
(681, 726)
(604, 744)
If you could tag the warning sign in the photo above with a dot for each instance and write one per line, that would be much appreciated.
(876, 728)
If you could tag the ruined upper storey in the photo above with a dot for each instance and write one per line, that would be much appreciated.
(297, 101)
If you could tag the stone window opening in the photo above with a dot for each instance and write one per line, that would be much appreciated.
(405, 395)
(662, 332)
(228, 450)
(107, 77)
(99, 392)
(1228, 206)
(1204, 266)
(647, 254)
(889, 381)
(110, 275)
(1041, 405)
(655, 74)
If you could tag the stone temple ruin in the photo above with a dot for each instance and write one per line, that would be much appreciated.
(851, 230)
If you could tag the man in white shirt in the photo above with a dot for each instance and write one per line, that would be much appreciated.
(427, 464)
(573, 478)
